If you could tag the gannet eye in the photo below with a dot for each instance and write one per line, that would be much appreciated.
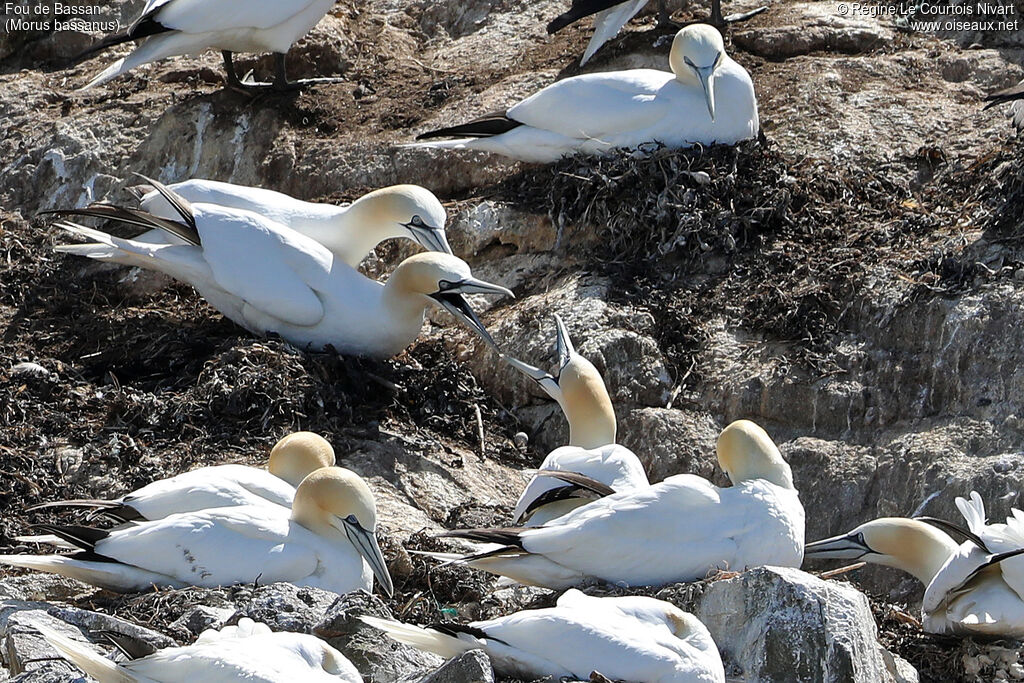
(689, 63)
(417, 221)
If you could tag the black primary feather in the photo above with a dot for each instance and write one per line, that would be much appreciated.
(117, 511)
(508, 537)
(553, 496)
(453, 630)
(951, 527)
(179, 203)
(135, 217)
(486, 126)
(83, 537)
(1007, 95)
(130, 646)
(580, 480)
(144, 27)
(580, 9)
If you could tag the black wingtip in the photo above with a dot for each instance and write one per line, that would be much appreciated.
(950, 527)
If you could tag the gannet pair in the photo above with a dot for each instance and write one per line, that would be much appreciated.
(271, 279)
(350, 232)
(707, 98)
(592, 463)
(326, 540)
(167, 28)
(292, 459)
(611, 15)
(248, 652)
(1014, 94)
(677, 530)
(972, 588)
(624, 639)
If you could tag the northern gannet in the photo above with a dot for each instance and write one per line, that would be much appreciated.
(271, 279)
(325, 541)
(611, 15)
(592, 452)
(291, 460)
(1015, 95)
(677, 530)
(168, 28)
(248, 652)
(966, 592)
(628, 639)
(350, 232)
(706, 98)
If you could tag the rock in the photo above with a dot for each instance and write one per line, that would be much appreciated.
(284, 607)
(38, 587)
(783, 624)
(469, 667)
(821, 28)
(200, 618)
(378, 658)
(25, 650)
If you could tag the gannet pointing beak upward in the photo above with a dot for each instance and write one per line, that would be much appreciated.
(697, 52)
(580, 391)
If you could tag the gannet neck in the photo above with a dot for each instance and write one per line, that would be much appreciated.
(915, 547)
(745, 451)
(398, 211)
(299, 454)
(586, 404)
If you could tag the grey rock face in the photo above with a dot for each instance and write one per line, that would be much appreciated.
(781, 624)
(470, 667)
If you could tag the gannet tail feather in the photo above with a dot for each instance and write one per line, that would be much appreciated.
(136, 217)
(427, 639)
(485, 126)
(100, 668)
(93, 569)
(46, 539)
(505, 537)
(155, 48)
(579, 9)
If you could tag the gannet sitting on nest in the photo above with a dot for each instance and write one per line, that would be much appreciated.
(167, 28)
(248, 652)
(611, 15)
(970, 589)
(1015, 95)
(350, 232)
(676, 530)
(626, 639)
(325, 541)
(292, 459)
(706, 98)
(271, 279)
(592, 464)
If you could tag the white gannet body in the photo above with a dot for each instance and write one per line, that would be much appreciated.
(580, 391)
(676, 530)
(707, 98)
(248, 652)
(291, 460)
(628, 638)
(997, 538)
(272, 280)
(168, 28)
(350, 232)
(965, 591)
(325, 541)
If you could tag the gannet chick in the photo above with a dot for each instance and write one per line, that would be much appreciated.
(1015, 95)
(350, 232)
(707, 98)
(676, 530)
(965, 592)
(627, 639)
(592, 452)
(168, 28)
(325, 541)
(271, 279)
(248, 652)
(611, 15)
(292, 459)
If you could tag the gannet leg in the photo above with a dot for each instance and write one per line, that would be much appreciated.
(281, 81)
(663, 16)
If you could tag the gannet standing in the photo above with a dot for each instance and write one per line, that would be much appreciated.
(676, 530)
(325, 541)
(291, 460)
(1015, 95)
(248, 652)
(611, 15)
(965, 588)
(167, 28)
(706, 98)
(350, 232)
(592, 452)
(627, 639)
(271, 279)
